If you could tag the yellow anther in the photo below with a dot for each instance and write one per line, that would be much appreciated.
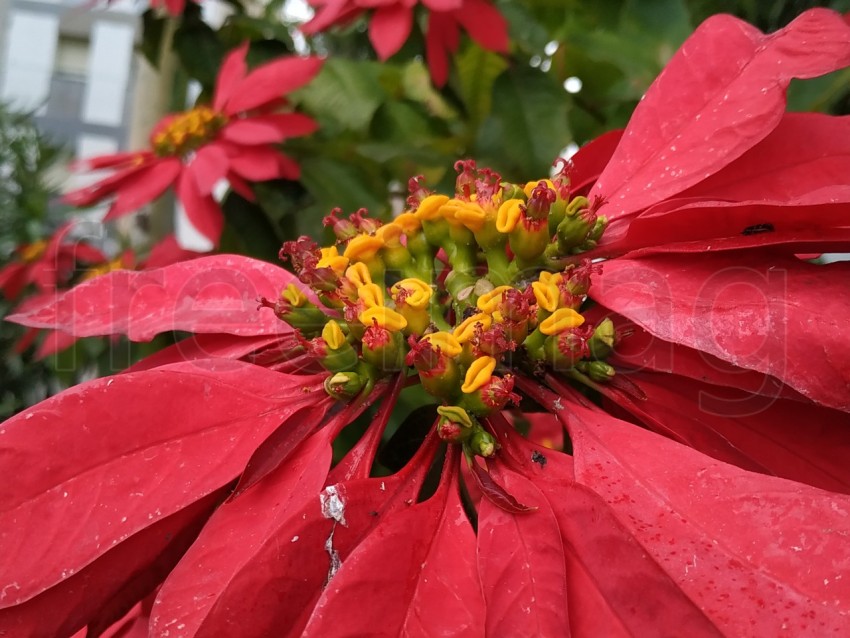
(333, 260)
(446, 342)
(547, 295)
(478, 374)
(507, 217)
(455, 414)
(466, 330)
(530, 186)
(333, 335)
(412, 292)
(33, 251)
(560, 320)
(363, 247)
(429, 208)
(371, 295)
(384, 317)
(294, 296)
(488, 302)
(358, 274)
(408, 222)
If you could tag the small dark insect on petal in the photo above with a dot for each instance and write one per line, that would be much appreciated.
(755, 229)
(537, 457)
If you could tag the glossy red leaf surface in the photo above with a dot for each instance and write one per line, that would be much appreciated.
(107, 587)
(521, 564)
(90, 464)
(799, 441)
(804, 153)
(759, 313)
(721, 109)
(205, 346)
(233, 69)
(217, 293)
(145, 185)
(429, 588)
(239, 551)
(730, 539)
(495, 493)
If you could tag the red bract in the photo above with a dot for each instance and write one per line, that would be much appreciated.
(392, 21)
(701, 486)
(232, 139)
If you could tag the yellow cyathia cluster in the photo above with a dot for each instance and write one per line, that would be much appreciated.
(187, 131)
(458, 291)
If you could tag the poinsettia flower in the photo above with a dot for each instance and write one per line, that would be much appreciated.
(392, 21)
(700, 484)
(47, 263)
(231, 139)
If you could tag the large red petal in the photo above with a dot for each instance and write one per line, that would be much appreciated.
(268, 129)
(799, 441)
(485, 25)
(231, 73)
(429, 588)
(85, 470)
(389, 27)
(779, 316)
(272, 80)
(721, 109)
(146, 185)
(261, 163)
(521, 564)
(210, 294)
(202, 210)
(727, 537)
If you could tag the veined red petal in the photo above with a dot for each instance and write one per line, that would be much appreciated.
(209, 165)
(212, 294)
(442, 35)
(722, 534)
(721, 109)
(231, 73)
(779, 316)
(590, 160)
(442, 596)
(205, 346)
(166, 252)
(96, 484)
(272, 80)
(521, 564)
(389, 28)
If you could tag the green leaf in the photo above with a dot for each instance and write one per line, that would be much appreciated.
(477, 69)
(335, 183)
(153, 26)
(528, 126)
(199, 50)
(344, 95)
(417, 86)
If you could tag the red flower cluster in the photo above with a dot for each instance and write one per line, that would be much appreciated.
(392, 21)
(232, 139)
(702, 486)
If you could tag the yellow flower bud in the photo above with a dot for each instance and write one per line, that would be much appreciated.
(429, 208)
(446, 342)
(363, 247)
(507, 217)
(333, 260)
(294, 296)
(547, 295)
(385, 318)
(530, 186)
(412, 292)
(560, 320)
(358, 274)
(488, 302)
(466, 330)
(333, 335)
(371, 295)
(478, 374)
(408, 222)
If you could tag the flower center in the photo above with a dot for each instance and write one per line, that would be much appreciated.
(32, 252)
(188, 131)
(461, 292)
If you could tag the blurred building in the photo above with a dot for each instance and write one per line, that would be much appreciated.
(71, 63)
